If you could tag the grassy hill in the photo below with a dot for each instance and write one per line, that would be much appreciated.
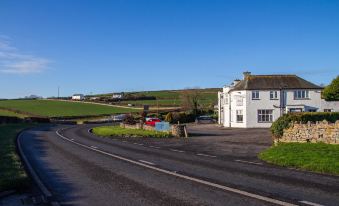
(168, 98)
(52, 108)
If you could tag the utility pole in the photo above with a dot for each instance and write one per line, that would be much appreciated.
(58, 92)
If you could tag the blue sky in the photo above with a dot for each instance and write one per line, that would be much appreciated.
(131, 45)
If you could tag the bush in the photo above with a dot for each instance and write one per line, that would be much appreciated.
(169, 117)
(129, 119)
(182, 117)
(284, 121)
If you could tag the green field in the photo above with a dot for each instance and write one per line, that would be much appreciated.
(52, 108)
(12, 174)
(170, 98)
(117, 131)
(318, 157)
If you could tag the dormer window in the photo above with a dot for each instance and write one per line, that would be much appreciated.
(255, 95)
(301, 94)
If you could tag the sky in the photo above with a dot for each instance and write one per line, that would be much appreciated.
(92, 47)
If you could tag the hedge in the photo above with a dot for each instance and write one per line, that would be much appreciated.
(285, 121)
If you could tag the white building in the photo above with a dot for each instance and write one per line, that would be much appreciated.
(118, 95)
(78, 97)
(258, 100)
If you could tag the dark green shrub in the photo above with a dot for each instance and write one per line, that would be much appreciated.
(285, 121)
(129, 119)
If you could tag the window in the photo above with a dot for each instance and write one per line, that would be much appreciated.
(301, 94)
(255, 94)
(240, 117)
(265, 115)
(327, 110)
(239, 101)
(273, 94)
(226, 99)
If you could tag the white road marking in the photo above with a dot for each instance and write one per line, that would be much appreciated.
(206, 155)
(204, 182)
(243, 161)
(175, 150)
(154, 147)
(310, 203)
(138, 144)
(72, 139)
(94, 147)
(150, 163)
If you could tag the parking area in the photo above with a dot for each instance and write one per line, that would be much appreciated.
(215, 140)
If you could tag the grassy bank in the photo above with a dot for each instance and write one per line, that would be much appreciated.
(111, 131)
(12, 174)
(317, 157)
(10, 113)
(52, 108)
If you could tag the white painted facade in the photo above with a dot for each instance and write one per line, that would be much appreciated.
(237, 108)
(78, 97)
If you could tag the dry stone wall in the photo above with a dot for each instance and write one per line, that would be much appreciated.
(312, 132)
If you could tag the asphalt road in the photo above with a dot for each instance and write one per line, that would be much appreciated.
(82, 169)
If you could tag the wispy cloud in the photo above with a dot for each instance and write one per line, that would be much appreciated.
(14, 61)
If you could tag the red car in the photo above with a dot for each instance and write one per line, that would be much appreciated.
(152, 121)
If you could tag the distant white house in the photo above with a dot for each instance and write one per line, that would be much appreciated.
(258, 100)
(118, 95)
(78, 97)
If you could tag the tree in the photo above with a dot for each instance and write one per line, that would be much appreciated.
(331, 92)
(190, 100)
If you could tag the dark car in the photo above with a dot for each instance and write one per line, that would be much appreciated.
(204, 120)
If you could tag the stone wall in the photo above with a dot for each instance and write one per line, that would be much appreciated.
(312, 132)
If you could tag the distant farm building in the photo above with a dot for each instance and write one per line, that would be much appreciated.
(118, 95)
(78, 97)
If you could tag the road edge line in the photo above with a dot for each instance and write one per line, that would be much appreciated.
(32, 172)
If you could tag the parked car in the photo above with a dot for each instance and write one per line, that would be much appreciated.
(152, 121)
(204, 120)
(119, 118)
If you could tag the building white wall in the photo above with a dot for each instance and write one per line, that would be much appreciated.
(250, 107)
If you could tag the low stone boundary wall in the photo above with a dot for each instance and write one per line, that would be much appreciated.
(312, 132)
(176, 130)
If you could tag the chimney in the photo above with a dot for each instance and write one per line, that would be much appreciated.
(246, 74)
(235, 82)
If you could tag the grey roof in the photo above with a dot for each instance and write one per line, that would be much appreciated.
(274, 82)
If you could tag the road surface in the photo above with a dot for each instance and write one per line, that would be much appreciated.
(82, 169)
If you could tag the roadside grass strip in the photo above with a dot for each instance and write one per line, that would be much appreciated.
(12, 173)
(316, 157)
(114, 131)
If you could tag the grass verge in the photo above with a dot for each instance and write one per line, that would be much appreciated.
(12, 173)
(317, 157)
(110, 131)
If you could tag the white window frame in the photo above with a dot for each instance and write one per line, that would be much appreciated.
(265, 115)
(226, 99)
(273, 95)
(255, 95)
(301, 94)
(239, 116)
(239, 101)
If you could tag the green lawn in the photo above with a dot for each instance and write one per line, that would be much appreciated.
(111, 131)
(12, 174)
(52, 108)
(318, 157)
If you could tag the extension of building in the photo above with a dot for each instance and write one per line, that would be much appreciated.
(258, 100)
